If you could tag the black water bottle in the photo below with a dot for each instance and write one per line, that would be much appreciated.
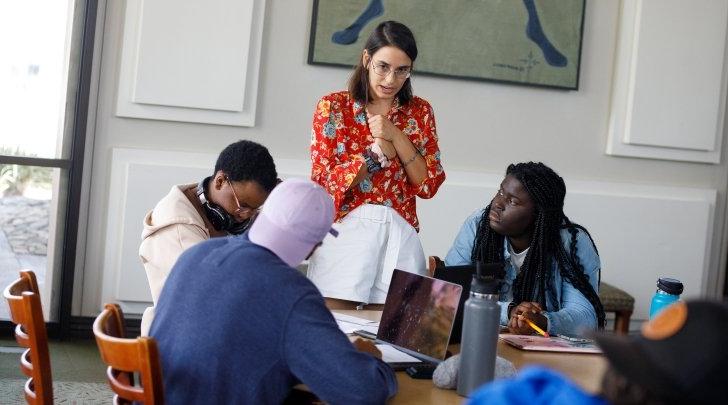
(481, 324)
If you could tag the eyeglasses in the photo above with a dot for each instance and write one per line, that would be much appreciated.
(242, 211)
(383, 69)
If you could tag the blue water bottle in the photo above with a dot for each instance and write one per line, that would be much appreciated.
(668, 292)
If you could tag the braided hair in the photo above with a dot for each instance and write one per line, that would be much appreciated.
(547, 190)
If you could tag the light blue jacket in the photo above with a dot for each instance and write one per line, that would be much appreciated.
(567, 309)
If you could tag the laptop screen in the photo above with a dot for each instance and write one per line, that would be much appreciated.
(418, 314)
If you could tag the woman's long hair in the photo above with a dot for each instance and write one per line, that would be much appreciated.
(388, 33)
(547, 190)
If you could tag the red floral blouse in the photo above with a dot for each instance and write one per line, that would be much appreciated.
(339, 136)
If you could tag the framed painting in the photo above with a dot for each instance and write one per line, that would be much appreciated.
(529, 42)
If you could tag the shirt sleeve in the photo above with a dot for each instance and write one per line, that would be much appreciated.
(323, 358)
(462, 248)
(430, 151)
(577, 314)
(504, 312)
(332, 166)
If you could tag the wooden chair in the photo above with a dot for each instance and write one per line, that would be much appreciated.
(26, 311)
(613, 299)
(126, 357)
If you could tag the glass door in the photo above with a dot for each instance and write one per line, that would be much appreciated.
(40, 67)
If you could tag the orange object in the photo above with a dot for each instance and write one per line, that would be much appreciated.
(534, 327)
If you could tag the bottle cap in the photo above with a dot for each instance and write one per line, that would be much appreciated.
(670, 285)
(488, 278)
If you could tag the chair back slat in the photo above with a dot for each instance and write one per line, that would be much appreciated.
(15, 302)
(122, 387)
(21, 337)
(29, 392)
(25, 310)
(128, 356)
(25, 365)
(122, 353)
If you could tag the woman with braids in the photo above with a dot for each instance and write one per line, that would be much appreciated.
(552, 265)
(374, 149)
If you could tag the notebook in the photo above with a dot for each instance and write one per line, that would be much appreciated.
(417, 319)
(550, 344)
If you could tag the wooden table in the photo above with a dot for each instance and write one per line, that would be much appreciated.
(585, 369)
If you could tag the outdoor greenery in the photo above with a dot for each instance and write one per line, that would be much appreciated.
(14, 179)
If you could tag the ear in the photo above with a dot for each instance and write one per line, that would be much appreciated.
(219, 180)
(365, 58)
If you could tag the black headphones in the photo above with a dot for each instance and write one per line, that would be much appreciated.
(220, 219)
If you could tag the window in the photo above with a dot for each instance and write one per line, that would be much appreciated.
(44, 77)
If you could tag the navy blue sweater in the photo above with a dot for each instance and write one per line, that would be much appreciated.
(235, 324)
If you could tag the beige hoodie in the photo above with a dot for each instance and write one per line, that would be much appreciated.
(170, 228)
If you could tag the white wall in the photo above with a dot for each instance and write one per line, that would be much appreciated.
(482, 126)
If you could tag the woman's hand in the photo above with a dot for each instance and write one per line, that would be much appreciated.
(526, 310)
(525, 306)
(518, 325)
(382, 128)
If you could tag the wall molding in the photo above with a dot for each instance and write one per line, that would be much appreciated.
(642, 231)
(200, 64)
(668, 100)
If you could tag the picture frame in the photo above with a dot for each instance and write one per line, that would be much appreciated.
(524, 42)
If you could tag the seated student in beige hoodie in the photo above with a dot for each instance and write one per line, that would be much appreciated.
(219, 205)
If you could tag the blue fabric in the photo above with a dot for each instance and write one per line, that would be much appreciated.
(235, 324)
(533, 386)
(567, 309)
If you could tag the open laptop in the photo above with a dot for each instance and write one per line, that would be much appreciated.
(417, 319)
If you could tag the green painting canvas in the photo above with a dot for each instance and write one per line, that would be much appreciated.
(533, 42)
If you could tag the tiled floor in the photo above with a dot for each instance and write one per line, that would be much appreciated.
(79, 376)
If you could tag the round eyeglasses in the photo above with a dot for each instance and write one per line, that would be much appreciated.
(383, 69)
(241, 210)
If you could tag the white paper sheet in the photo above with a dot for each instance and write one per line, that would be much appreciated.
(348, 324)
(392, 355)
(348, 327)
(353, 319)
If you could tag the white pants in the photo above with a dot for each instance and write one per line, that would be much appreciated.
(358, 265)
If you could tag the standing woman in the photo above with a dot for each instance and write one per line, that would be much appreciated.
(374, 149)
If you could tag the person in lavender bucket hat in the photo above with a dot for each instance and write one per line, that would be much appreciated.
(294, 223)
(237, 323)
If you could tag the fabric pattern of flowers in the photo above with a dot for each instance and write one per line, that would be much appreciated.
(340, 134)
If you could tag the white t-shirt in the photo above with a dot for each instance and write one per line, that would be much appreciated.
(517, 258)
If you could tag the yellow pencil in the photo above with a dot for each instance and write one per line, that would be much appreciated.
(534, 327)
